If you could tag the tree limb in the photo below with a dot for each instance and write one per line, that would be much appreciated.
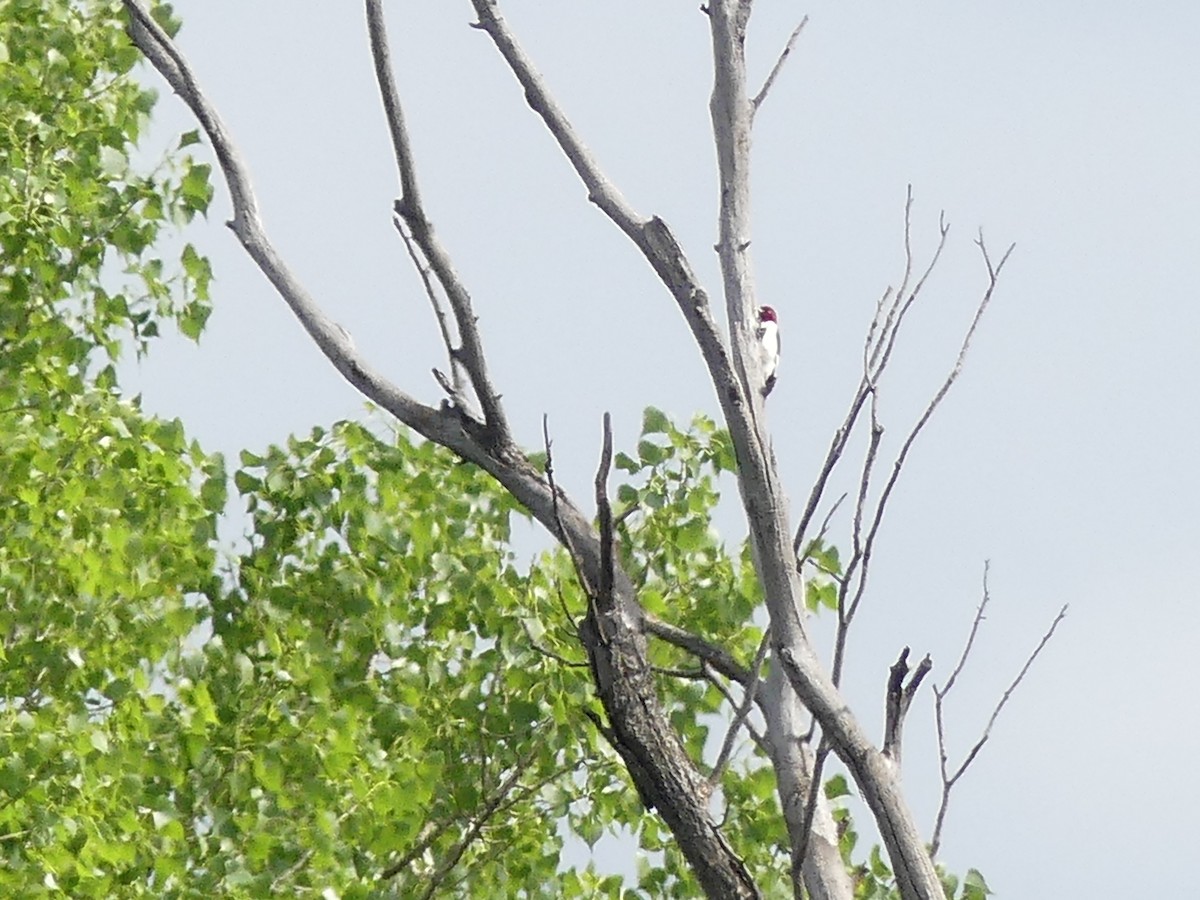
(762, 496)
(949, 779)
(750, 694)
(456, 389)
(899, 697)
(717, 657)
(410, 208)
(778, 67)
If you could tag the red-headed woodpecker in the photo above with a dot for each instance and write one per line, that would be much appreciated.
(768, 346)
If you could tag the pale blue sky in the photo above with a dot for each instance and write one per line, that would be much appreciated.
(1066, 455)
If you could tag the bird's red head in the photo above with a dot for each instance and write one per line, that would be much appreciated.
(767, 314)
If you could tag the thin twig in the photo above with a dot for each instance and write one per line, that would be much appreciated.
(551, 654)
(951, 378)
(458, 392)
(562, 603)
(247, 225)
(894, 331)
(775, 69)
(286, 875)
(498, 849)
(685, 674)
(507, 795)
(939, 696)
(712, 674)
(858, 567)
(802, 558)
(858, 554)
(975, 623)
(476, 822)
(889, 316)
(750, 693)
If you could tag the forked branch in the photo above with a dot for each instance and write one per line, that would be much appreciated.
(332, 340)
(890, 313)
(412, 211)
(902, 686)
(950, 778)
(453, 386)
(863, 558)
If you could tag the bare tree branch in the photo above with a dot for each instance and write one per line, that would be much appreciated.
(551, 654)
(604, 514)
(246, 224)
(713, 676)
(717, 657)
(898, 465)
(899, 697)
(741, 712)
(873, 773)
(889, 316)
(410, 208)
(778, 67)
(975, 623)
(806, 555)
(890, 312)
(949, 779)
(576, 562)
(283, 877)
(507, 795)
(521, 793)
(700, 674)
(651, 235)
(766, 507)
(614, 630)
(622, 678)
(456, 390)
(601, 190)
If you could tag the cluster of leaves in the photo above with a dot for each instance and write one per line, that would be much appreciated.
(81, 223)
(106, 541)
(105, 562)
(375, 696)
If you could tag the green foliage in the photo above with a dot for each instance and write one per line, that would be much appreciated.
(80, 220)
(373, 679)
(821, 587)
(105, 566)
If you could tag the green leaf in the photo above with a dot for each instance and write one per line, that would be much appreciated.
(654, 421)
(836, 787)
(974, 886)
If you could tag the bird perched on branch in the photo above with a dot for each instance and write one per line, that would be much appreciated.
(768, 346)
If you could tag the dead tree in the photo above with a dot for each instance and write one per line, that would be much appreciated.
(799, 695)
